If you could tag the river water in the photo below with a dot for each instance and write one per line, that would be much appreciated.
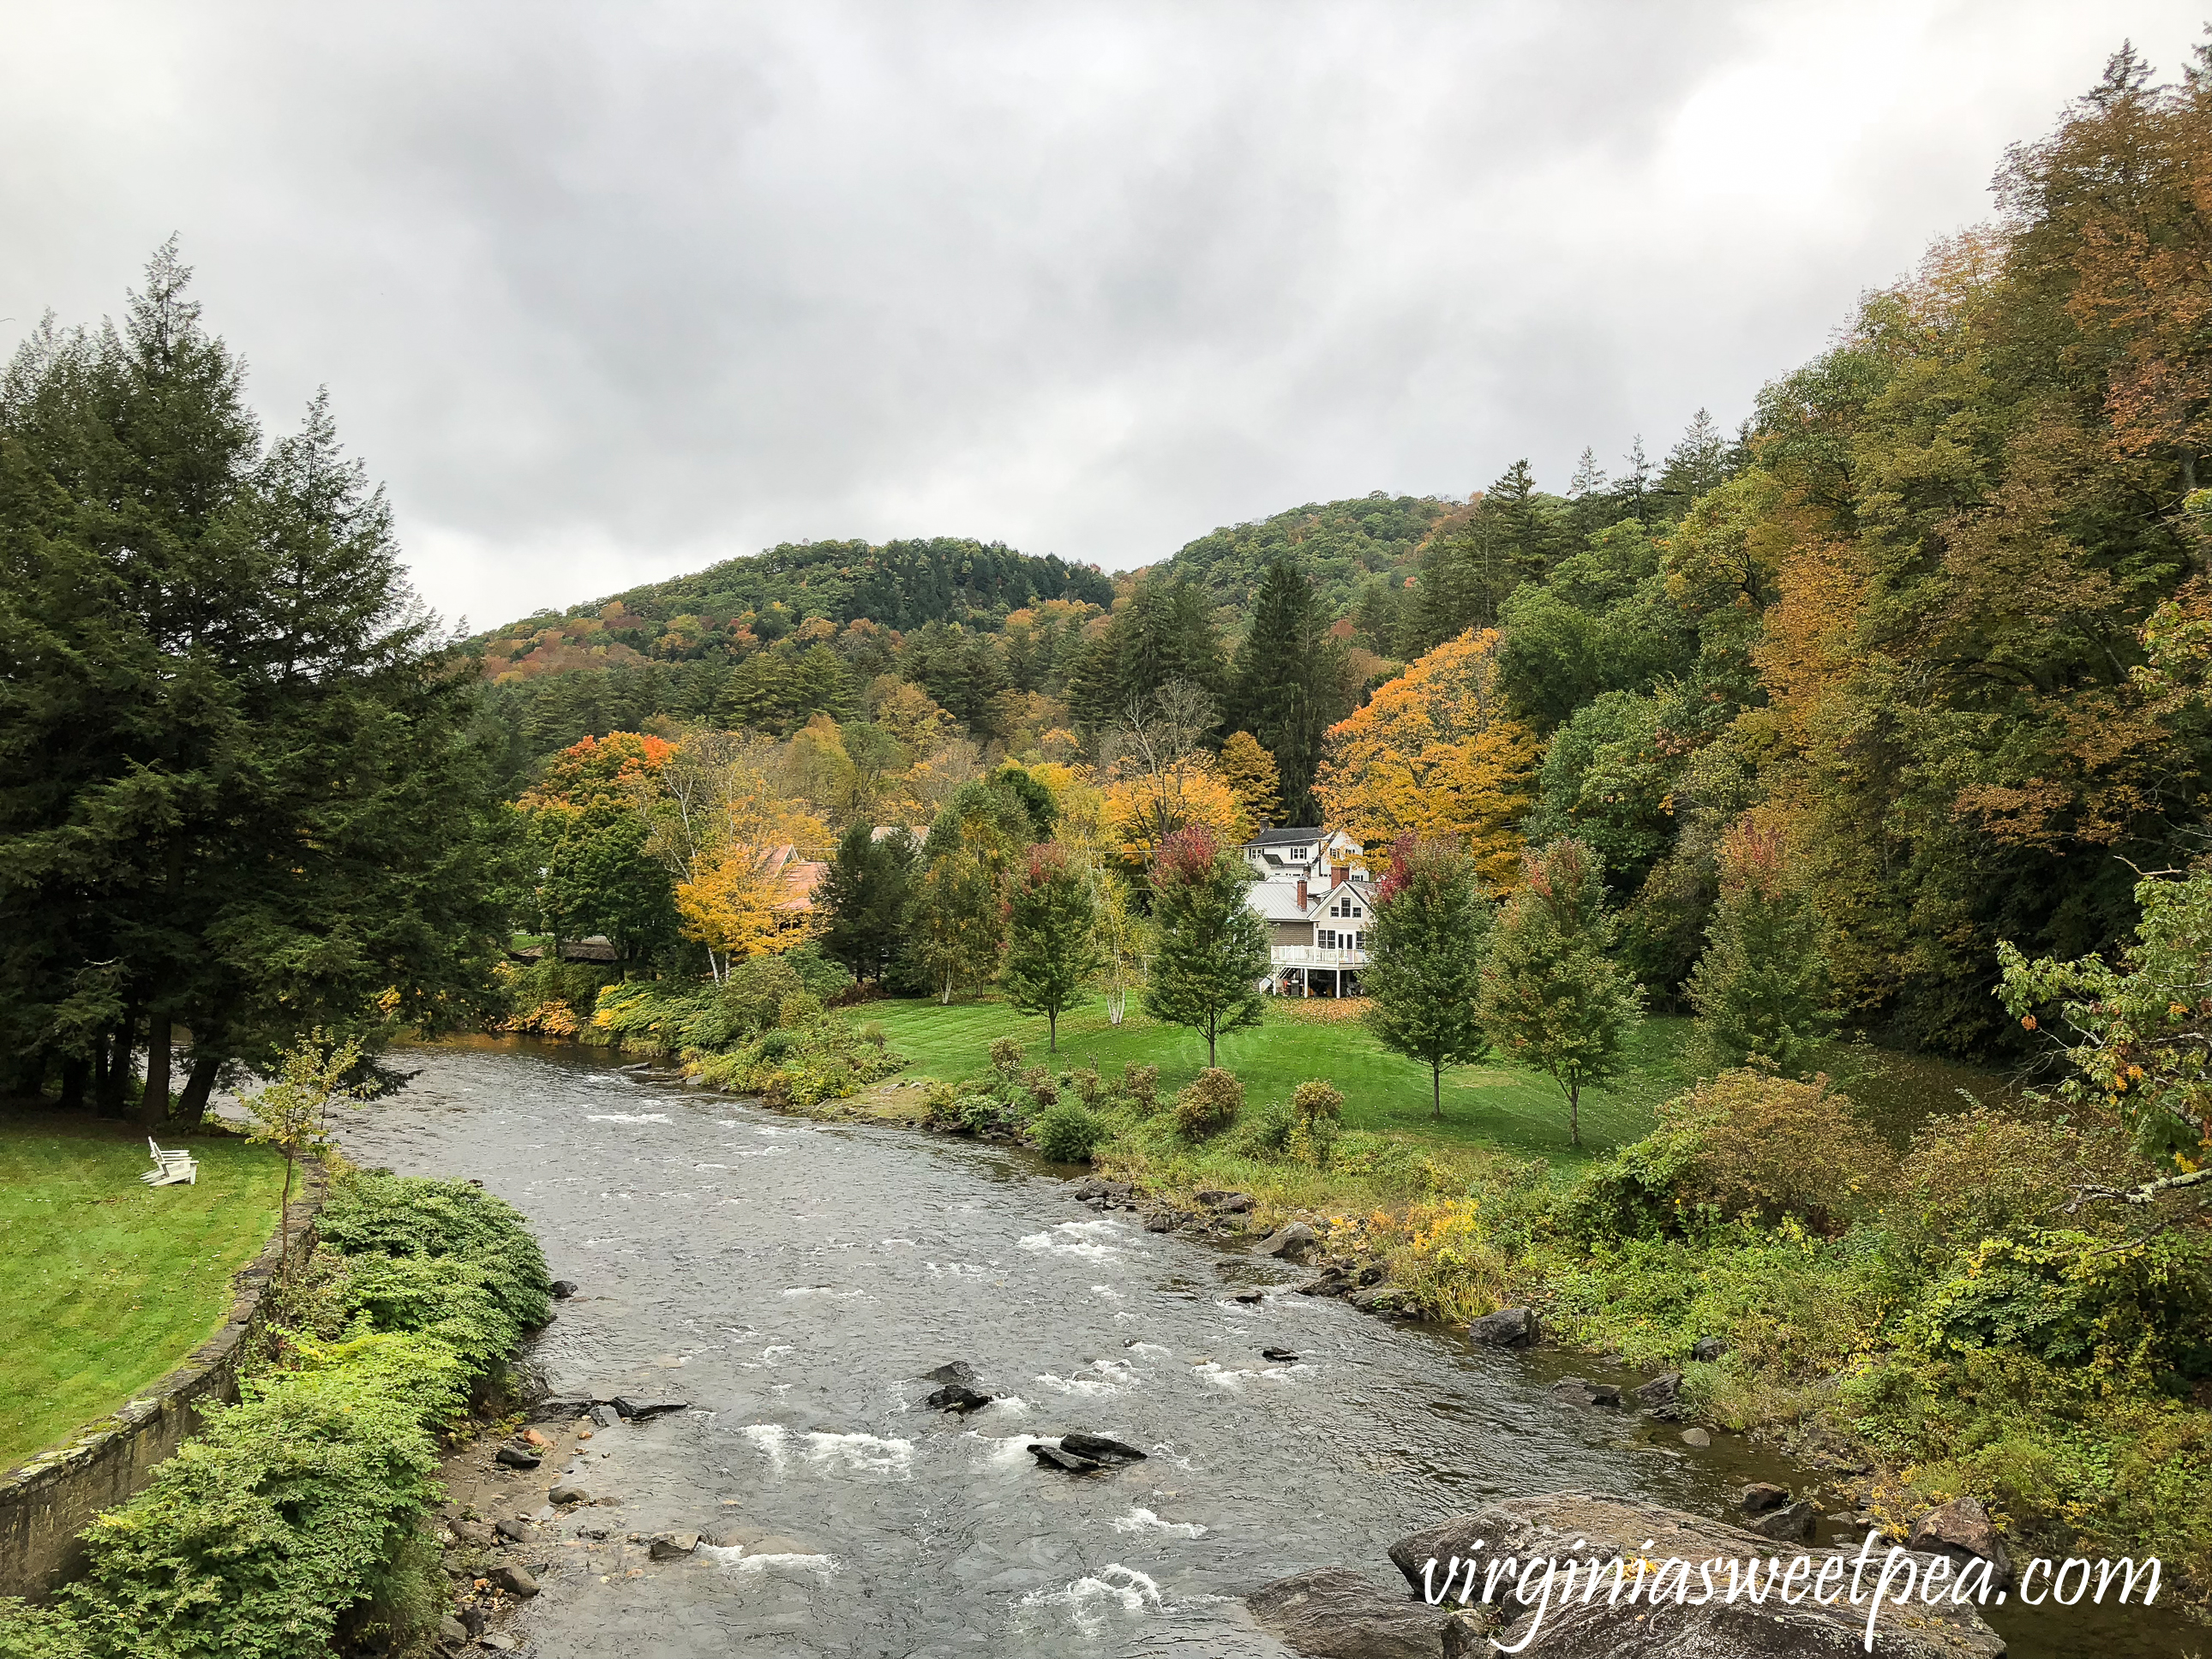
(792, 1282)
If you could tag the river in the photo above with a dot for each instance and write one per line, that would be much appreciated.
(793, 1280)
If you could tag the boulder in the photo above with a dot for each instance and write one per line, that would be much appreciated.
(1792, 1523)
(1098, 1448)
(513, 1457)
(1333, 1282)
(674, 1546)
(569, 1492)
(605, 1415)
(1761, 1496)
(453, 1632)
(1099, 1187)
(1577, 1392)
(640, 1410)
(563, 1289)
(1052, 1457)
(516, 1532)
(1248, 1295)
(1961, 1530)
(1509, 1328)
(1593, 1527)
(1663, 1396)
(1381, 1298)
(1333, 1613)
(1223, 1203)
(471, 1532)
(515, 1581)
(957, 1397)
(1292, 1242)
(1707, 1349)
(1696, 1437)
(957, 1370)
(1164, 1221)
(1280, 1356)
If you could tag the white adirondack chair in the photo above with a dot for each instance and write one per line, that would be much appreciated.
(171, 1169)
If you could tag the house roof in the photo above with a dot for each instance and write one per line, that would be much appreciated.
(1278, 837)
(1276, 900)
(794, 878)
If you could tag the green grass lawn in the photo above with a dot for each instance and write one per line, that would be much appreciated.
(1489, 1105)
(106, 1284)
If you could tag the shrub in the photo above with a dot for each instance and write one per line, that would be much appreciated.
(797, 1011)
(1264, 1133)
(1069, 1132)
(1767, 1146)
(1140, 1087)
(1209, 1102)
(1087, 1086)
(1039, 1084)
(1005, 1056)
(774, 1045)
(872, 1034)
(977, 1113)
(34, 1633)
(1978, 1173)
(1316, 1120)
(938, 1108)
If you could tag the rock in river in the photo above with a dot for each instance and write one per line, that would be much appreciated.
(1052, 1457)
(674, 1546)
(511, 1457)
(1333, 1613)
(1098, 1447)
(1509, 1328)
(563, 1289)
(1961, 1530)
(569, 1492)
(515, 1581)
(1293, 1242)
(1589, 1526)
(1790, 1524)
(640, 1410)
(1224, 1203)
(957, 1397)
(955, 1371)
(1761, 1496)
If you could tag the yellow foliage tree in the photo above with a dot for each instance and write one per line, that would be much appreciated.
(1435, 753)
(1145, 805)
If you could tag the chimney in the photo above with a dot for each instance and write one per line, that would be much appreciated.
(1337, 875)
(1302, 892)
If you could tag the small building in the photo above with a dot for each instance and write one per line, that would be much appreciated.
(1317, 900)
(793, 879)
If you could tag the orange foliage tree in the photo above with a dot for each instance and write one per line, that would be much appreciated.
(1436, 753)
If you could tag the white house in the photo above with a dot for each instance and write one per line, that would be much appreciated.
(1314, 895)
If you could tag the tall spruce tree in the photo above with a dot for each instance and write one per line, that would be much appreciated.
(1424, 976)
(864, 895)
(1212, 951)
(1052, 946)
(1760, 989)
(239, 795)
(1286, 687)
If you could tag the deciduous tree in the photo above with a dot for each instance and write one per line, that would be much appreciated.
(1213, 947)
(1052, 948)
(1424, 976)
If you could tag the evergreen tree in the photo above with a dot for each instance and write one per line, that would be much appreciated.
(1697, 463)
(1552, 996)
(1287, 685)
(239, 792)
(865, 895)
(955, 926)
(1424, 975)
(1051, 937)
(1760, 987)
(1249, 771)
(1213, 947)
(1513, 537)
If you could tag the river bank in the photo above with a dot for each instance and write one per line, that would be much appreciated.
(793, 1280)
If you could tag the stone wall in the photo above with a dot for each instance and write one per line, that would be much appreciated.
(46, 1502)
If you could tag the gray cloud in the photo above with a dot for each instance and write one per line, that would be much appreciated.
(607, 291)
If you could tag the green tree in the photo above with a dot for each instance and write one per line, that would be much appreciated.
(1052, 946)
(957, 922)
(1213, 947)
(292, 1113)
(866, 895)
(1552, 996)
(1424, 975)
(600, 878)
(1286, 686)
(1760, 989)
(239, 790)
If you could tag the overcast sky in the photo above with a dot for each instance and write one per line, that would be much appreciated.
(607, 292)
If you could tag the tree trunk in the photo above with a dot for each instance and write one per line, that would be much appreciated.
(1575, 1115)
(153, 1104)
(1209, 1047)
(199, 1084)
(115, 1069)
(76, 1076)
(1437, 1091)
(1052, 1031)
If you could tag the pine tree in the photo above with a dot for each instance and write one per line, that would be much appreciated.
(1052, 946)
(1552, 997)
(1250, 772)
(865, 895)
(1760, 987)
(1424, 972)
(1287, 685)
(1213, 946)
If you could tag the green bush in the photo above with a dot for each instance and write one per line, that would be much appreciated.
(1316, 1121)
(291, 1523)
(1087, 1086)
(1069, 1132)
(1209, 1102)
(1265, 1132)
(1005, 1056)
(978, 1114)
(1140, 1087)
